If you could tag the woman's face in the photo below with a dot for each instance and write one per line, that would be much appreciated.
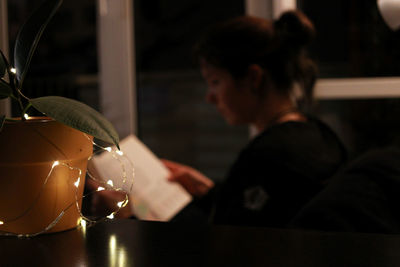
(233, 98)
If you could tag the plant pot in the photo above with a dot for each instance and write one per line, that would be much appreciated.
(32, 193)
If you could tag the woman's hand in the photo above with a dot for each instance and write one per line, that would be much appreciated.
(192, 180)
(105, 202)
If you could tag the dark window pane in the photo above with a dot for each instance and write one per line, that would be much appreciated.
(174, 120)
(352, 39)
(65, 61)
(363, 124)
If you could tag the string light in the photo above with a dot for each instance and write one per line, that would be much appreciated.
(13, 70)
(77, 182)
(121, 204)
(83, 221)
(26, 116)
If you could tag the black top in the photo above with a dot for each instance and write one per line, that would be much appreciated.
(274, 176)
(364, 197)
(277, 173)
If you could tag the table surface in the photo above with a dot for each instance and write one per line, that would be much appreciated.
(140, 243)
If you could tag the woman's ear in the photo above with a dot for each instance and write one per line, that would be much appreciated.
(256, 77)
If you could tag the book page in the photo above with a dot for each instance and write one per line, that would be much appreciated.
(152, 197)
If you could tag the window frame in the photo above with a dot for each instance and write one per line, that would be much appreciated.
(337, 88)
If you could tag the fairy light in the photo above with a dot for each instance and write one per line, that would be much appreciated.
(13, 70)
(121, 204)
(82, 221)
(26, 116)
(77, 182)
(83, 224)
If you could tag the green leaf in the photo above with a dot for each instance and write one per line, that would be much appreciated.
(29, 36)
(5, 90)
(2, 120)
(3, 65)
(77, 115)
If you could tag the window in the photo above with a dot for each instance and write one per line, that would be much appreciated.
(65, 62)
(174, 119)
(359, 60)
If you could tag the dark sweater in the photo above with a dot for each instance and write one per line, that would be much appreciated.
(277, 173)
(274, 176)
(364, 197)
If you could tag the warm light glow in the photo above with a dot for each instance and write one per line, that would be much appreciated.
(26, 116)
(83, 224)
(112, 243)
(55, 163)
(100, 188)
(119, 152)
(120, 204)
(109, 182)
(122, 257)
(1, 222)
(13, 70)
(77, 182)
(111, 216)
(108, 149)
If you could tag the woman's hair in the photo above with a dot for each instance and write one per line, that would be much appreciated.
(277, 46)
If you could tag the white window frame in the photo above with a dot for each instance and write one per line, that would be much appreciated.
(339, 88)
(117, 73)
(5, 105)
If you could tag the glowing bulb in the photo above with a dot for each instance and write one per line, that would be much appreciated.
(13, 70)
(111, 216)
(100, 188)
(109, 182)
(1, 222)
(55, 163)
(120, 204)
(83, 224)
(108, 149)
(119, 152)
(26, 116)
(77, 182)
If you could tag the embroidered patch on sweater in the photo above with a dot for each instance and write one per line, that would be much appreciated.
(255, 198)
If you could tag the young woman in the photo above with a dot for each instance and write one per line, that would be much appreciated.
(258, 74)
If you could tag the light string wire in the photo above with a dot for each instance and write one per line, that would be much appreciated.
(84, 221)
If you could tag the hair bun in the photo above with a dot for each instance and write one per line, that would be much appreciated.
(295, 29)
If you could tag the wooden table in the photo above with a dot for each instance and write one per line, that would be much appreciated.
(140, 243)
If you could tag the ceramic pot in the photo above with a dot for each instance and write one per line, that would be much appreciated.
(32, 194)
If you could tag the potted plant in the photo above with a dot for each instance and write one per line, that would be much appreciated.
(43, 159)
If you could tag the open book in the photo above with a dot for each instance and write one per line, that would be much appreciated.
(152, 197)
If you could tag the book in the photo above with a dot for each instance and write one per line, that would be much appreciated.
(151, 196)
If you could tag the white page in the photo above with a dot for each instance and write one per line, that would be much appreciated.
(152, 197)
